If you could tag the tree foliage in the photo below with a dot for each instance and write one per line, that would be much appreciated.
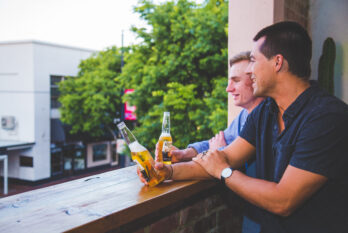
(180, 67)
(92, 100)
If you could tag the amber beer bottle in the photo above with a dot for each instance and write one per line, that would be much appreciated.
(141, 156)
(165, 140)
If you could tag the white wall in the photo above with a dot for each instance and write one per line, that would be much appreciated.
(17, 90)
(329, 19)
(25, 69)
(49, 60)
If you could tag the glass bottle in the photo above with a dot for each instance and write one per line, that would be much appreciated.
(165, 141)
(141, 156)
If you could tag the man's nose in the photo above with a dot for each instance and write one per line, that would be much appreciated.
(230, 87)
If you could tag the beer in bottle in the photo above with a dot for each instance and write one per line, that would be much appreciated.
(165, 141)
(141, 156)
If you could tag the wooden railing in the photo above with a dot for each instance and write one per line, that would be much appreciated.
(99, 203)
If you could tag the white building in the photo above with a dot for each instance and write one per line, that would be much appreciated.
(27, 72)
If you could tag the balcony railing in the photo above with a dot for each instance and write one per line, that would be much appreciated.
(117, 201)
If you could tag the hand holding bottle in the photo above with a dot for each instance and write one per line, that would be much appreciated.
(165, 141)
(182, 155)
(143, 158)
(163, 169)
(176, 154)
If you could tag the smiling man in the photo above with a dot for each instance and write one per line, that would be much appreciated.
(298, 136)
(240, 88)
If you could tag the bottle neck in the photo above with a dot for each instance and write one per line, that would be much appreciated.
(126, 134)
(166, 123)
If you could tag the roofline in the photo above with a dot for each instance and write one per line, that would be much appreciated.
(45, 43)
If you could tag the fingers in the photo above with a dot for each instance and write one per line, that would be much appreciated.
(175, 152)
(177, 155)
(159, 165)
(201, 156)
(141, 177)
(165, 170)
(156, 151)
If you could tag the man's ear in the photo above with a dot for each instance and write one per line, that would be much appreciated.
(279, 62)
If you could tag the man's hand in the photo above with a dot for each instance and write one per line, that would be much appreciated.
(213, 162)
(217, 142)
(162, 169)
(182, 155)
(178, 155)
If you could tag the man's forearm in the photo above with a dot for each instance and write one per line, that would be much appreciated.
(189, 170)
(258, 192)
(280, 198)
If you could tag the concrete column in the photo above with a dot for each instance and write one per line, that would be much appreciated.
(246, 18)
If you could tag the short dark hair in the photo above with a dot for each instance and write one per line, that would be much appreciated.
(292, 41)
(243, 56)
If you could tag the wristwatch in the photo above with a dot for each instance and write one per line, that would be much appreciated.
(227, 172)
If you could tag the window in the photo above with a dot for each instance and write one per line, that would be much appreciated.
(114, 154)
(98, 154)
(55, 79)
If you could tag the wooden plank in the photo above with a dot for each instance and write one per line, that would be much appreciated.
(94, 204)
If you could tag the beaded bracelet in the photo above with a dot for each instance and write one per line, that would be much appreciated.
(171, 172)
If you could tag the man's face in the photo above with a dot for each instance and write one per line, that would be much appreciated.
(240, 85)
(261, 70)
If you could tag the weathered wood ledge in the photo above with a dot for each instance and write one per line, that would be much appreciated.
(99, 203)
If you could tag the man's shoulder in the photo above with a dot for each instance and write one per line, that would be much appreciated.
(322, 102)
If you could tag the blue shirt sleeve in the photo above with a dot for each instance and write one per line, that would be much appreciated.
(249, 130)
(231, 133)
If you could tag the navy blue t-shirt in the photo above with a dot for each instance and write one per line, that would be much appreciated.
(315, 139)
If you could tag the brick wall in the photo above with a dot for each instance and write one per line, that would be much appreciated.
(214, 211)
(297, 10)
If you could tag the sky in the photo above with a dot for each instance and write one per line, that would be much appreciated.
(91, 24)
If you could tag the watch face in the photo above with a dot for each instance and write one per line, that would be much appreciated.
(227, 172)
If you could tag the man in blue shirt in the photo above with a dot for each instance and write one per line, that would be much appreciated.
(298, 136)
(240, 88)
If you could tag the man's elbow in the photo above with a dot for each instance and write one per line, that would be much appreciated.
(284, 210)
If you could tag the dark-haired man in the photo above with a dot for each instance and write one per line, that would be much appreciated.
(298, 135)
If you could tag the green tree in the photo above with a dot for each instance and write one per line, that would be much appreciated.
(181, 67)
(92, 100)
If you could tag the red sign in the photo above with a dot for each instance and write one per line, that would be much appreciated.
(129, 111)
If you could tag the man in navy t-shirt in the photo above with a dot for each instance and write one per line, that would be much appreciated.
(299, 136)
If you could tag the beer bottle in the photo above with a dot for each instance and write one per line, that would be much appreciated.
(141, 156)
(165, 140)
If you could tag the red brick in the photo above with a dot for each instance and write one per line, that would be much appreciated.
(229, 221)
(140, 231)
(212, 203)
(192, 213)
(206, 224)
(187, 229)
(297, 10)
(166, 224)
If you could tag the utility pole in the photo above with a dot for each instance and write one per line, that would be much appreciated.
(122, 63)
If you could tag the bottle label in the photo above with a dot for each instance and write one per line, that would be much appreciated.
(143, 171)
(166, 151)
